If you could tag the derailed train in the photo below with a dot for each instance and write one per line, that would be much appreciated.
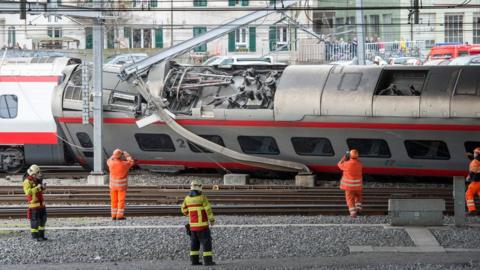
(416, 121)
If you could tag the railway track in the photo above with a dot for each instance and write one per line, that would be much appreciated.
(227, 200)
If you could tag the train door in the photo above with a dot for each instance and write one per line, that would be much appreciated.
(465, 100)
(435, 98)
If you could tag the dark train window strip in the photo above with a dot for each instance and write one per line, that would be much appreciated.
(470, 146)
(155, 142)
(262, 145)
(8, 106)
(84, 140)
(213, 138)
(310, 146)
(370, 148)
(423, 149)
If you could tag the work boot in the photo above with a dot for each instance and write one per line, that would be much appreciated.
(195, 259)
(353, 215)
(34, 235)
(114, 218)
(472, 213)
(121, 218)
(42, 235)
(208, 260)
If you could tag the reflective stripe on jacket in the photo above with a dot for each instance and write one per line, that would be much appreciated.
(352, 174)
(118, 172)
(199, 211)
(33, 192)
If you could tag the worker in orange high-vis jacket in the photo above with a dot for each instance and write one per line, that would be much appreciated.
(118, 168)
(351, 181)
(200, 214)
(474, 179)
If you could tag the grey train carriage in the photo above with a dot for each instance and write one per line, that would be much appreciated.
(417, 121)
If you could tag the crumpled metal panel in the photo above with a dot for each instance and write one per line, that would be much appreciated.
(299, 92)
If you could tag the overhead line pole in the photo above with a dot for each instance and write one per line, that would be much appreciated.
(360, 32)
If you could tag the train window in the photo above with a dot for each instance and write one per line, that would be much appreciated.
(8, 106)
(374, 148)
(468, 83)
(155, 142)
(350, 81)
(213, 138)
(262, 145)
(469, 146)
(427, 149)
(305, 146)
(401, 82)
(84, 140)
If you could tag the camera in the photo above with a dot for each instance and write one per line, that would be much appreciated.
(347, 155)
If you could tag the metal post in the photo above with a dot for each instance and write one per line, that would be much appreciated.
(98, 156)
(459, 200)
(171, 23)
(360, 32)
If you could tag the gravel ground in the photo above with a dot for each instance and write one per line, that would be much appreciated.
(68, 246)
(468, 237)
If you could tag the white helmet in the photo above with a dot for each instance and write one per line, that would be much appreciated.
(34, 169)
(196, 185)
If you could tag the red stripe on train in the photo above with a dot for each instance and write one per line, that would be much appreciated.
(30, 78)
(297, 124)
(28, 138)
(317, 168)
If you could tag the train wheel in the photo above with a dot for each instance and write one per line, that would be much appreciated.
(14, 160)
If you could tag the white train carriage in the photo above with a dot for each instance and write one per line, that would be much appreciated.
(28, 133)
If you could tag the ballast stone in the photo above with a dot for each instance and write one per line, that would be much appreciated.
(235, 179)
(416, 212)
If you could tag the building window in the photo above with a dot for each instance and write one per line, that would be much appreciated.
(242, 3)
(387, 27)
(323, 22)
(476, 28)
(198, 30)
(454, 28)
(140, 38)
(155, 142)
(261, 145)
(241, 38)
(375, 25)
(374, 148)
(305, 146)
(427, 149)
(213, 138)
(279, 38)
(144, 3)
(84, 140)
(12, 36)
(199, 3)
(8, 106)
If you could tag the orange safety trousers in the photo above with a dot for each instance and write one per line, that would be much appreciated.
(354, 200)
(117, 202)
(473, 188)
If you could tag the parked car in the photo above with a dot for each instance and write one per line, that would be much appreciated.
(466, 61)
(225, 61)
(437, 62)
(122, 59)
(406, 61)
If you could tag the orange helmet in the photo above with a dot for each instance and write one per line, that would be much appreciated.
(117, 153)
(353, 154)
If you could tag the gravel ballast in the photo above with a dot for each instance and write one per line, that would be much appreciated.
(230, 243)
(468, 237)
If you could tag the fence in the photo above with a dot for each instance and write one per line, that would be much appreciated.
(310, 51)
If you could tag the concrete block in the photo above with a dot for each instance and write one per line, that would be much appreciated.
(416, 212)
(307, 180)
(236, 179)
(97, 180)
